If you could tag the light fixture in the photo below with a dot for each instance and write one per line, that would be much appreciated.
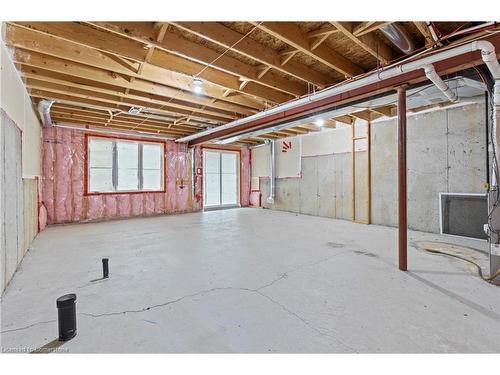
(197, 86)
(319, 122)
(134, 110)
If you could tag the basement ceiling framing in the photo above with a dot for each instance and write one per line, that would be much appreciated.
(97, 71)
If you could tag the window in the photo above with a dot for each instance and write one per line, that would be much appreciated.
(116, 166)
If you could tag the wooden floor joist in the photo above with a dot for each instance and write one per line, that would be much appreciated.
(197, 75)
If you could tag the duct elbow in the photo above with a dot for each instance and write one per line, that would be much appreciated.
(44, 111)
(488, 54)
(431, 73)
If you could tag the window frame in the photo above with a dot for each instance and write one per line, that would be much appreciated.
(114, 139)
(240, 169)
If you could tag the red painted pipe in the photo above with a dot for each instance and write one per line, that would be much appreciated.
(402, 171)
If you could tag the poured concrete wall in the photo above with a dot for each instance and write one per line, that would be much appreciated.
(16, 102)
(446, 153)
(20, 162)
(12, 246)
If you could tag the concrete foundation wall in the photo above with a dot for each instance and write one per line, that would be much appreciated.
(446, 153)
(20, 162)
(12, 244)
(16, 102)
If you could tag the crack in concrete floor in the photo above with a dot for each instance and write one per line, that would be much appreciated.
(29, 326)
(258, 290)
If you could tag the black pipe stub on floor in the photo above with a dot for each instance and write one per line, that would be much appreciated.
(66, 316)
(105, 268)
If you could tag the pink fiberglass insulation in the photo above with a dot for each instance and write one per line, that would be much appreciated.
(159, 199)
(255, 198)
(48, 179)
(149, 204)
(78, 170)
(64, 194)
(183, 182)
(245, 176)
(95, 207)
(198, 177)
(137, 204)
(124, 203)
(170, 162)
(110, 206)
(42, 216)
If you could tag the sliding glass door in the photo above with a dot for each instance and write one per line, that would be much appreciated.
(220, 176)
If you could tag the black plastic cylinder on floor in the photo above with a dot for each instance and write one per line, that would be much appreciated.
(105, 268)
(66, 316)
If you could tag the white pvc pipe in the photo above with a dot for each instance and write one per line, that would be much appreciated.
(487, 52)
(272, 174)
(431, 73)
(496, 133)
(432, 31)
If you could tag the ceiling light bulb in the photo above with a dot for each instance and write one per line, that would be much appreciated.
(320, 122)
(197, 85)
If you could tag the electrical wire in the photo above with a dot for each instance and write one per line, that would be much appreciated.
(478, 267)
(200, 72)
(496, 173)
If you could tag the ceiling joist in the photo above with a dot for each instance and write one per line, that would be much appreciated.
(228, 38)
(97, 71)
(291, 34)
(369, 42)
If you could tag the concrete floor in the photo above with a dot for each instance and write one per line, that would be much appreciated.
(248, 280)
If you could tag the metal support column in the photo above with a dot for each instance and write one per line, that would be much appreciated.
(402, 172)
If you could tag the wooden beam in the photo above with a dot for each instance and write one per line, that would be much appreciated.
(94, 119)
(228, 38)
(368, 27)
(369, 42)
(179, 129)
(49, 77)
(128, 100)
(325, 30)
(363, 115)
(268, 136)
(174, 43)
(312, 127)
(140, 117)
(111, 126)
(163, 66)
(426, 33)
(89, 36)
(287, 56)
(344, 119)
(290, 33)
(42, 81)
(56, 108)
(388, 111)
(330, 124)
(237, 103)
(83, 100)
(316, 43)
(62, 117)
(299, 130)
